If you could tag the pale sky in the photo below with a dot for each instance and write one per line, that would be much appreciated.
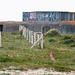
(11, 10)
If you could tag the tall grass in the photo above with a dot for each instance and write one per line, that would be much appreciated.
(15, 51)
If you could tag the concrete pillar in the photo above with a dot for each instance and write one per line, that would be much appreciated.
(68, 16)
(72, 16)
(59, 16)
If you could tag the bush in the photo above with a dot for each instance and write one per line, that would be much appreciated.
(72, 45)
(67, 37)
(69, 41)
(53, 32)
(52, 40)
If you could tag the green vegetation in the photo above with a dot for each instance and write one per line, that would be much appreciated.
(15, 69)
(67, 37)
(53, 32)
(51, 40)
(16, 52)
(47, 74)
(5, 74)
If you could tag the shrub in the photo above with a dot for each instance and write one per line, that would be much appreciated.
(53, 32)
(61, 42)
(72, 45)
(67, 37)
(52, 40)
(69, 41)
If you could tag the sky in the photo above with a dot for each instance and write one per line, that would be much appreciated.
(11, 10)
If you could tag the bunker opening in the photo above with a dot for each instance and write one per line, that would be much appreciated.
(1, 28)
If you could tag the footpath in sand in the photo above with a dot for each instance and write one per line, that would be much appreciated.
(37, 72)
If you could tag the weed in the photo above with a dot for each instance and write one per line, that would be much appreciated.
(14, 33)
(21, 32)
(47, 74)
(5, 74)
(15, 69)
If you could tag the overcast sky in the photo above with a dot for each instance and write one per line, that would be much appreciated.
(11, 10)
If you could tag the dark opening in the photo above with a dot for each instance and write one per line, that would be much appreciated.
(1, 28)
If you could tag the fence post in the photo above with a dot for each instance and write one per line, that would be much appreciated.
(42, 40)
(38, 38)
(0, 38)
(27, 33)
(23, 32)
(32, 37)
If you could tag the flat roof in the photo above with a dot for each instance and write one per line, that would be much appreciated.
(51, 11)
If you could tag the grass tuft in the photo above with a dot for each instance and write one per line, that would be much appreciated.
(4, 74)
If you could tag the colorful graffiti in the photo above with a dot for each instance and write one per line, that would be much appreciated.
(48, 16)
(25, 16)
(32, 16)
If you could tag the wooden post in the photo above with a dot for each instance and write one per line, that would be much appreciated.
(36, 42)
(27, 33)
(20, 28)
(0, 38)
(38, 39)
(42, 40)
(24, 32)
(32, 37)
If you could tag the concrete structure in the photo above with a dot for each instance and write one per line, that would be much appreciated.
(65, 27)
(48, 16)
(9, 26)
